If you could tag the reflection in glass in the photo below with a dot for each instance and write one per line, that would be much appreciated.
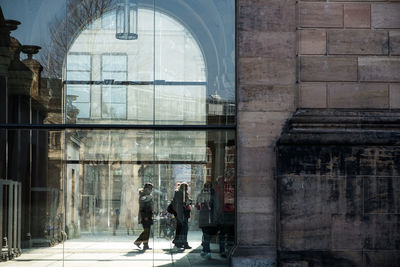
(187, 85)
(127, 20)
(106, 169)
(82, 185)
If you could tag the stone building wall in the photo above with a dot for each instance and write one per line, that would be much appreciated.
(266, 97)
(348, 54)
(315, 57)
(339, 189)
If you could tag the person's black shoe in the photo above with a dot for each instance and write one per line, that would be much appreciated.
(187, 246)
(146, 247)
(137, 243)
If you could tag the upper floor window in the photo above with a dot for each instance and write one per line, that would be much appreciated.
(173, 73)
(79, 71)
(114, 68)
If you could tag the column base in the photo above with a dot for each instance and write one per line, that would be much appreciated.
(254, 256)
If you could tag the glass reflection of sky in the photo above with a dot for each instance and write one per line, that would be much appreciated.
(212, 22)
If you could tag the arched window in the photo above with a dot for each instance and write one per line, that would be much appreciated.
(158, 78)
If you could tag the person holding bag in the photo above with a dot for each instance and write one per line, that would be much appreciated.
(181, 205)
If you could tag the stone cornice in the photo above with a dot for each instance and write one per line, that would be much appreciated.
(342, 127)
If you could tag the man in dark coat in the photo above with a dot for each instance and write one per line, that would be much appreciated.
(181, 204)
(145, 215)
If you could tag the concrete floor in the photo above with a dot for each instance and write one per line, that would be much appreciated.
(105, 250)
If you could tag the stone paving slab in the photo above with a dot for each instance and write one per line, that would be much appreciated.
(105, 251)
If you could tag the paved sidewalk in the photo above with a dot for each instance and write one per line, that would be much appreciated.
(108, 250)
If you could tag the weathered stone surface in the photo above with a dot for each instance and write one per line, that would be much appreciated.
(358, 95)
(295, 263)
(260, 129)
(291, 236)
(379, 69)
(312, 95)
(394, 95)
(347, 232)
(360, 0)
(335, 200)
(394, 43)
(382, 194)
(257, 204)
(255, 161)
(312, 42)
(264, 186)
(364, 42)
(254, 256)
(357, 15)
(382, 231)
(379, 161)
(385, 15)
(266, 98)
(339, 161)
(250, 225)
(331, 195)
(267, 16)
(316, 69)
(321, 15)
(307, 258)
(267, 71)
(267, 44)
(306, 232)
(382, 258)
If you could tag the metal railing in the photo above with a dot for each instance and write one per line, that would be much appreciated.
(10, 219)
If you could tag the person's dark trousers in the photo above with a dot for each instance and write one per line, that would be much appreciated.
(206, 239)
(182, 228)
(144, 236)
(222, 240)
(178, 232)
(185, 229)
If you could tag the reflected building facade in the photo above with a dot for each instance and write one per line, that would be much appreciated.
(79, 181)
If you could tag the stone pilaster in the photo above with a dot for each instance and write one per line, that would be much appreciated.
(266, 97)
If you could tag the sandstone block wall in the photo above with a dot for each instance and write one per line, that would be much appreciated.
(339, 189)
(348, 54)
(322, 55)
(266, 65)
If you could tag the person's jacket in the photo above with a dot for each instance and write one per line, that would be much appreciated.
(145, 208)
(209, 208)
(181, 204)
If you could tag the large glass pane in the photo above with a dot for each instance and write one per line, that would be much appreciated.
(184, 53)
(31, 197)
(34, 60)
(121, 71)
(85, 186)
(194, 62)
(105, 172)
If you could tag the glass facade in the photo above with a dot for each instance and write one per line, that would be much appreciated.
(97, 132)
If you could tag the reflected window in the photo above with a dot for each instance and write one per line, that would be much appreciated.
(114, 69)
(135, 80)
(79, 70)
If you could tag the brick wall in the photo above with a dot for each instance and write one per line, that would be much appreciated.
(348, 54)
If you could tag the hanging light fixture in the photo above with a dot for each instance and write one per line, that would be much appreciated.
(126, 20)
